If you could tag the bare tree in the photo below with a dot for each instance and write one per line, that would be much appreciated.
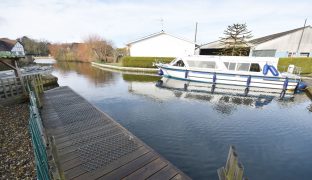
(102, 49)
(235, 40)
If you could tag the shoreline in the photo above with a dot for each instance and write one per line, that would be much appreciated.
(133, 69)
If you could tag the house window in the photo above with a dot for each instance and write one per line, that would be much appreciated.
(254, 67)
(304, 54)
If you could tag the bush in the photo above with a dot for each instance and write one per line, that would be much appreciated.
(143, 62)
(303, 62)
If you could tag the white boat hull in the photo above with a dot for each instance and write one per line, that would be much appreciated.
(273, 84)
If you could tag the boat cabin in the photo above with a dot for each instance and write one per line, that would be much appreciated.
(224, 63)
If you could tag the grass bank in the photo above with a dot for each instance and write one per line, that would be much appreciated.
(143, 62)
(303, 62)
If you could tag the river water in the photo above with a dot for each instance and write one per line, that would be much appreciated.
(194, 130)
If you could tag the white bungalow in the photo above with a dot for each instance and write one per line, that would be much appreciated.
(160, 44)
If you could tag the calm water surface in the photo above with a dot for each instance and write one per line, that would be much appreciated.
(194, 130)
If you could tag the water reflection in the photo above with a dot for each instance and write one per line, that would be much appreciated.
(193, 127)
(95, 75)
(225, 101)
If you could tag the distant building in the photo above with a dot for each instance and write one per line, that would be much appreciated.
(160, 45)
(10, 47)
(296, 42)
(212, 48)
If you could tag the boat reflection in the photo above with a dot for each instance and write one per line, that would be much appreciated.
(222, 97)
(217, 94)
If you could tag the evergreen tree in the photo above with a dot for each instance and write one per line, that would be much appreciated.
(235, 40)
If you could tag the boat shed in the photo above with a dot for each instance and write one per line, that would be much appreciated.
(292, 43)
(160, 44)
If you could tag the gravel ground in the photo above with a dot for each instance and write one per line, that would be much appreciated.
(16, 153)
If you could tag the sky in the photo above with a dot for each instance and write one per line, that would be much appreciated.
(122, 21)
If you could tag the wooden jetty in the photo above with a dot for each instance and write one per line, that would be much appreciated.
(90, 145)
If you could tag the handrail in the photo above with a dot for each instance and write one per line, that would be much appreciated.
(38, 137)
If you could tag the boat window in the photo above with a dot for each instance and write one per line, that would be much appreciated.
(232, 66)
(226, 64)
(179, 63)
(208, 64)
(254, 67)
(191, 63)
(202, 64)
(242, 66)
(172, 62)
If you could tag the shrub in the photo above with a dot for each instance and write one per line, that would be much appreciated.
(303, 62)
(143, 62)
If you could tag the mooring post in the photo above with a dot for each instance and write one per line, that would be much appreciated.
(233, 169)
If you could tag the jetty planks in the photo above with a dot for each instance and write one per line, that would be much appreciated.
(91, 145)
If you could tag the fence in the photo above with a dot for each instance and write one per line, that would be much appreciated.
(37, 136)
(12, 89)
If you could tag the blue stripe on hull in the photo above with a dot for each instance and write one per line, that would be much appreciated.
(232, 75)
(251, 86)
(183, 79)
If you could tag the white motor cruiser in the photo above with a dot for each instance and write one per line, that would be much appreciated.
(251, 73)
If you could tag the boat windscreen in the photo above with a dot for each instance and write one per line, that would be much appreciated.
(179, 63)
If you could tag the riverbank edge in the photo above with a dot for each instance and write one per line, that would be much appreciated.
(134, 69)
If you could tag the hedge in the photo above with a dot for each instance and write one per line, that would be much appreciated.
(143, 62)
(303, 62)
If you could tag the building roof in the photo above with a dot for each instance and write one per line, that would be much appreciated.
(7, 44)
(157, 34)
(274, 36)
(217, 44)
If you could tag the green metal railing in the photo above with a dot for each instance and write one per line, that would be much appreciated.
(38, 138)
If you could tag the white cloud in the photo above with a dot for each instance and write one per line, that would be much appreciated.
(122, 21)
